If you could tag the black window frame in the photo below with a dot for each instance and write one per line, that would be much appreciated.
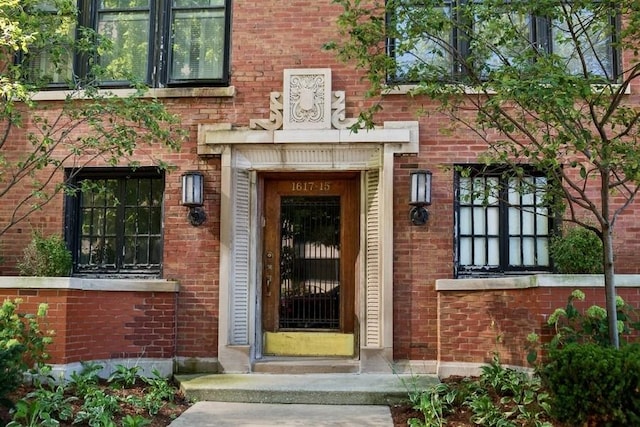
(503, 235)
(158, 73)
(540, 31)
(73, 222)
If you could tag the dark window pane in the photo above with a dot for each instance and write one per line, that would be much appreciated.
(197, 51)
(85, 252)
(129, 34)
(85, 222)
(131, 191)
(155, 250)
(52, 60)
(155, 221)
(142, 251)
(106, 194)
(97, 198)
(156, 43)
(124, 4)
(130, 222)
(198, 3)
(119, 237)
(593, 37)
(129, 251)
(110, 221)
(143, 221)
(97, 219)
(156, 192)
(429, 54)
(103, 251)
(144, 192)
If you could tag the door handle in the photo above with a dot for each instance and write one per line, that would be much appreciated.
(268, 271)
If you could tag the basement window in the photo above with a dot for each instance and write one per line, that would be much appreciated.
(114, 222)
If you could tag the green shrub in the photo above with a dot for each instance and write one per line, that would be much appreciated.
(579, 251)
(435, 403)
(45, 257)
(22, 346)
(43, 407)
(590, 325)
(591, 384)
(86, 381)
(124, 377)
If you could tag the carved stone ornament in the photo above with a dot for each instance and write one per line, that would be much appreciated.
(308, 103)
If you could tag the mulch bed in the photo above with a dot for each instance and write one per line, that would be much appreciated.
(167, 413)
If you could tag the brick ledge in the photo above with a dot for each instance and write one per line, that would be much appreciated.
(88, 284)
(536, 281)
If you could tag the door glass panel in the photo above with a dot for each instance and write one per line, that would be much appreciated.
(309, 262)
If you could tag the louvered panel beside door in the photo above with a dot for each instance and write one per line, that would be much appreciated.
(241, 259)
(372, 253)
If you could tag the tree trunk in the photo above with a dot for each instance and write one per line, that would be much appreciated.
(610, 285)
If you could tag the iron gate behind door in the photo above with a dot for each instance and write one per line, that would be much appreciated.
(310, 262)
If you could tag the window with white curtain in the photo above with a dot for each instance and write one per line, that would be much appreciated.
(502, 221)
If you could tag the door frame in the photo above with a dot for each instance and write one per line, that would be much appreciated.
(244, 153)
(274, 186)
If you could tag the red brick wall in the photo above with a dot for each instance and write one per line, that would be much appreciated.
(90, 325)
(474, 325)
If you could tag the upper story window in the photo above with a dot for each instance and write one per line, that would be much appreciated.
(502, 223)
(114, 225)
(161, 43)
(463, 39)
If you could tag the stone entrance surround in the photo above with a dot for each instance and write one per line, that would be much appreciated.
(306, 131)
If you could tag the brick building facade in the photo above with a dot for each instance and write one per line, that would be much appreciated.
(210, 306)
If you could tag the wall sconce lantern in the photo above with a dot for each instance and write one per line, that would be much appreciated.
(193, 196)
(420, 196)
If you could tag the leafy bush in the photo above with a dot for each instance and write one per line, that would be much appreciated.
(45, 256)
(435, 403)
(158, 393)
(43, 407)
(98, 409)
(22, 346)
(123, 376)
(591, 384)
(590, 325)
(85, 381)
(579, 251)
(121, 400)
(499, 397)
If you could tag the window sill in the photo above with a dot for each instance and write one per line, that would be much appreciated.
(177, 92)
(406, 89)
(88, 284)
(536, 281)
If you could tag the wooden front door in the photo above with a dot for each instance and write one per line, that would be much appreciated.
(311, 239)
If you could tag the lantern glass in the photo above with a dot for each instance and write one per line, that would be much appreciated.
(192, 189)
(420, 188)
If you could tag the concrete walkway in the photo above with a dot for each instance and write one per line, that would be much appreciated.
(295, 400)
(233, 414)
(323, 389)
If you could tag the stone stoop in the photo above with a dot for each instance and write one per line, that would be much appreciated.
(323, 389)
(285, 365)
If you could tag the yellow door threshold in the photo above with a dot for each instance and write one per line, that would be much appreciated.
(308, 344)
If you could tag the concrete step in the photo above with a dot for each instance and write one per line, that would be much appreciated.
(323, 389)
(306, 366)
